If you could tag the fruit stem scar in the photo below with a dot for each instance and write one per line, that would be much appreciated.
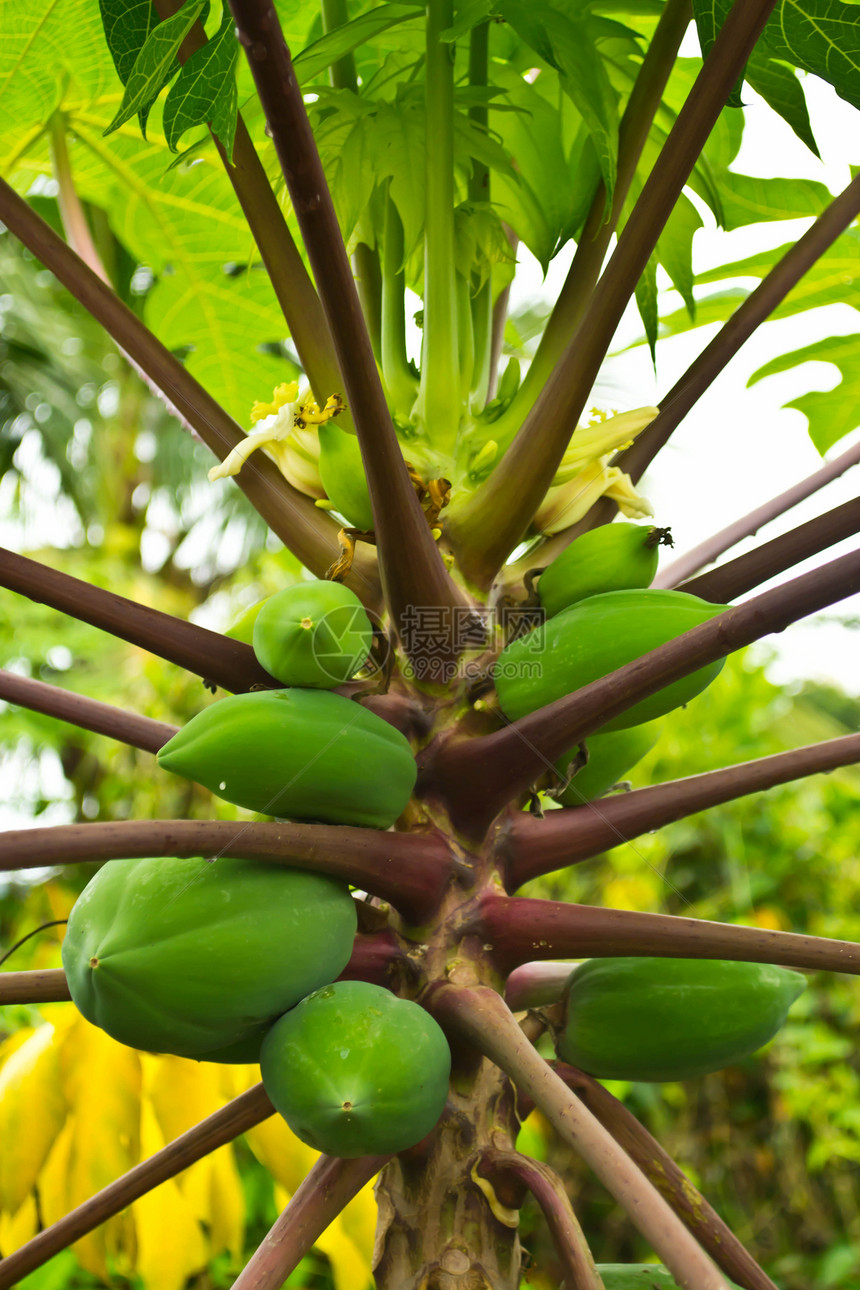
(94, 962)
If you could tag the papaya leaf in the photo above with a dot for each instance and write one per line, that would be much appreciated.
(470, 14)
(205, 90)
(542, 203)
(343, 40)
(819, 36)
(834, 413)
(127, 26)
(646, 303)
(748, 199)
(833, 279)
(571, 48)
(156, 63)
(50, 55)
(675, 249)
(778, 85)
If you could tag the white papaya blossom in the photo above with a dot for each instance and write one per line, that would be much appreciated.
(585, 475)
(286, 431)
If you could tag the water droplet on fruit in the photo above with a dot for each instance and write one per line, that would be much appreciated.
(222, 785)
(344, 1052)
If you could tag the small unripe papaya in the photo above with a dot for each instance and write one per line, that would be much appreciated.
(192, 957)
(242, 628)
(357, 1071)
(593, 638)
(658, 1019)
(609, 756)
(614, 557)
(313, 634)
(342, 474)
(299, 754)
(640, 1276)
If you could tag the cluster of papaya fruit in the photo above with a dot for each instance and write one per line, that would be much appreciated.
(234, 960)
(301, 752)
(650, 1019)
(600, 612)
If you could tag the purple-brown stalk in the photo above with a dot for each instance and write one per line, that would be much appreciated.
(477, 777)
(323, 1193)
(481, 1017)
(688, 1203)
(530, 847)
(90, 714)
(308, 533)
(411, 871)
(511, 1175)
(412, 570)
(521, 930)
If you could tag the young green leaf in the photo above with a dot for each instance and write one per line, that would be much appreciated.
(646, 303)
(819, 36)
(833, 413)
(778, 85)
(127, 25)
(205, 90)
(675, 249)
(156, 63)
(343, 40)
(571, 47)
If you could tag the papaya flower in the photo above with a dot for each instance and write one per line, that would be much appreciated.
(286, 431)
(585, 474)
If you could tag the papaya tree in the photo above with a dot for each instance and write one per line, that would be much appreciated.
(425, 749)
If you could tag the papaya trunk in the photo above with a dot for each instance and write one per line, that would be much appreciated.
(440, 1225)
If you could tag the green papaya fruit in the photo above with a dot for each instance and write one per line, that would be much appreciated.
(313, 634)
(594, 637)
(299, 754)
(640, 1276)
(657, 1019)
(195, 956)
(614, 557)
(342, 474)
(242, 628)
(357, 1071)
(609, 756)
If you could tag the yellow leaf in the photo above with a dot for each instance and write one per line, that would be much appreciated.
(350, 1266)
(32, 1112)
(359, 1222)
(170, 1244)
(100, 1141)
(183, 1093)
(17, 1229)
(287, 1159)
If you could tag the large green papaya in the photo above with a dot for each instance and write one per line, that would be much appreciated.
(314, 634)
(669, 1019)
(194, 956)
(356, 1071)
(609, 756)
(614, 557)
(593, 638)
(300, 754)
(640, 1276)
